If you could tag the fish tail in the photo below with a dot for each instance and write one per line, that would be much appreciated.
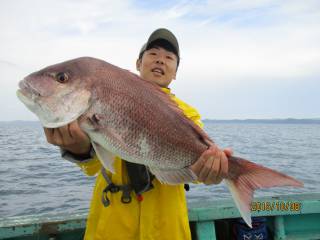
(244, 177)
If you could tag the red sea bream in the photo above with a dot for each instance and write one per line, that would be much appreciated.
(127, 116)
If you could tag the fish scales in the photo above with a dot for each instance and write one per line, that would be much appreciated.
(137, 113)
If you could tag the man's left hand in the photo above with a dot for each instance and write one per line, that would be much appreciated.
(212, 166)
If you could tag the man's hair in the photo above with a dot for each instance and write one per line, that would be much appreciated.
(164, 44)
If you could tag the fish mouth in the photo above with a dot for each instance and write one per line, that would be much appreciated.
(26, 89)
(157, 70)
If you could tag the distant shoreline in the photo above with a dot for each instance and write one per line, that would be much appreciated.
(266, 121)
(238, 121)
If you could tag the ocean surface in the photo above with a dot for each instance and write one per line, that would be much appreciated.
(34, 179)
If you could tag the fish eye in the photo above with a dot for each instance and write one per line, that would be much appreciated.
(62, 77)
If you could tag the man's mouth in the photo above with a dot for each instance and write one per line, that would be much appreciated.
(158, 70)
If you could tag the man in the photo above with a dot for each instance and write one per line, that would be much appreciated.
(131, 204)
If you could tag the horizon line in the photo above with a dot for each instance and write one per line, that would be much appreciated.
(209, 119)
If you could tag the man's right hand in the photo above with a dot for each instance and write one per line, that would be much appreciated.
(70, 138)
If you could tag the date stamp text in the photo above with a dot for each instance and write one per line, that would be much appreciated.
(276, 206)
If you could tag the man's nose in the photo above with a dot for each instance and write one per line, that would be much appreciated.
(160, 60)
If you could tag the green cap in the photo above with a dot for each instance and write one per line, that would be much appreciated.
(164, 34)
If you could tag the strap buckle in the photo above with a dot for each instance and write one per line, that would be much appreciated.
(110, 188)
(126, 190)
(113, 188)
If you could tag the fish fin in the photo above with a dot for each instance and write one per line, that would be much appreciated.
(105, 157)
(246, 176)
(173, 177)
(97, 128)
(242, 204)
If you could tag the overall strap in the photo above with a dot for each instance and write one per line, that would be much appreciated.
(140, 177)
(113, 188)
(140, 181)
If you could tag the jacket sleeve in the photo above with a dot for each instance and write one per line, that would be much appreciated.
(189, 111)
(90, 164)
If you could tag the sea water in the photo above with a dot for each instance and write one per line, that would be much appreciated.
(34, 179)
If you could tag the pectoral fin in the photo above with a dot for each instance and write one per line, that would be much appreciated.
(105, 157)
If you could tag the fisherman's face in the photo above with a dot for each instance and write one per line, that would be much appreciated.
(158, 65)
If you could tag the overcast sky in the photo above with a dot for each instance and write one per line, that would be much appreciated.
(239, 59)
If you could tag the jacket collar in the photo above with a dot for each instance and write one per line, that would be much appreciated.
(166, 90)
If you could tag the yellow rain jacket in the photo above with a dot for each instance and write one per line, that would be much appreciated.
(161, 215)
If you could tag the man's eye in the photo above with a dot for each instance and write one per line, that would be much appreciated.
(152, 53)
(170, 57)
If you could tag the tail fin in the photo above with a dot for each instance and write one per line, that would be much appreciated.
(244, 177)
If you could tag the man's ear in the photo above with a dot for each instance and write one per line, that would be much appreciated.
(138, 64)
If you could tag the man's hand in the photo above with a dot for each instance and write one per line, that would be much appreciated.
(212, 166)
(69, 137)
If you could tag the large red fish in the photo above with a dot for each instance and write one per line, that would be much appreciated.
(127, 116)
